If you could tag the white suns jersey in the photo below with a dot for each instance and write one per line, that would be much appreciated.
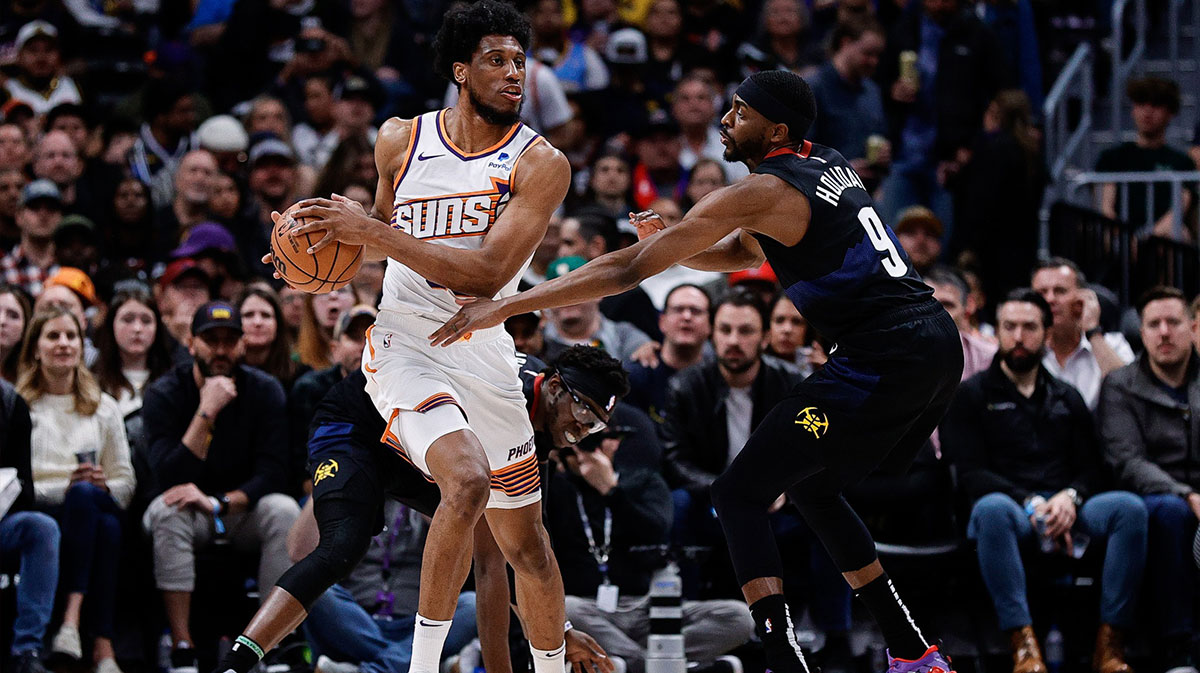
(448, 197)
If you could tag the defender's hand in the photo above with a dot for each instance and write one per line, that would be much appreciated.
(647, 223)
(584, 653)
(476, 314)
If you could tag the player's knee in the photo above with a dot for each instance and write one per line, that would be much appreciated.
(531, 555)
(465, 493)
(725, 491)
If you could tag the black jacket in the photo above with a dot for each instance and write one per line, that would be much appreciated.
(249, 450)
(15, 429)
(641, 511)
(1150, 439)
(971, 69)
(1003, 442)
(695, 436)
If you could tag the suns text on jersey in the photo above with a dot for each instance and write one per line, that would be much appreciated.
(448, 216)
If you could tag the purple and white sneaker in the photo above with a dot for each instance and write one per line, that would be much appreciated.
(930, 662)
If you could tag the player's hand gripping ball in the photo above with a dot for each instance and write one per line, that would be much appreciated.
(326, 270)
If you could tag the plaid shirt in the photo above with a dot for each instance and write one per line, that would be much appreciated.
(17, 269)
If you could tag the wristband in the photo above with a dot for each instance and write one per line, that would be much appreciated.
(567, 626)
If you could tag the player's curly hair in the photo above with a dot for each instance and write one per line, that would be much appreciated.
(464, 27)
(597, 363)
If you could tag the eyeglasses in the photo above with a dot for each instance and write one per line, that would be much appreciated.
(581, 411)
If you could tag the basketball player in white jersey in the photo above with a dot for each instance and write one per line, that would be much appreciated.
(471, 191)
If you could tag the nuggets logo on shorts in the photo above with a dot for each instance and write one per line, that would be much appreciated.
(326, 469)
(813, 420)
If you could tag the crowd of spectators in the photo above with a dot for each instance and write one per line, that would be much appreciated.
(156, 383)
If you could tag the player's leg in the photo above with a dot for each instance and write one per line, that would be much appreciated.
(523, 539)
(344, 510)
(742, 495)
(851, 546)
(457, 463)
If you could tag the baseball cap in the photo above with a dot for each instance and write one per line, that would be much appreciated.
(564, 265)
(77, 281)
(360, 314)
(223, 133)
(35, 29)
(763, 274)
(626, 47)
(202, 237)
(74, 223)
(179, 268)
(41, 189)
(215, 314)
(356, 87)
(919, 216)
(657, 121)
(271, 147)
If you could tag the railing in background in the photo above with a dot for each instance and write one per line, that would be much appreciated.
(1146, 181)
(1119, 253)
(1073, 83)
(1069, 104)
(1124, 65)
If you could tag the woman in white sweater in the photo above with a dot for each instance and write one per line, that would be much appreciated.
(82, 474)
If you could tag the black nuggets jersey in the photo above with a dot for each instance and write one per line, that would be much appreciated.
(849, 270)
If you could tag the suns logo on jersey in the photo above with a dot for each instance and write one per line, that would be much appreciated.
(452, 215)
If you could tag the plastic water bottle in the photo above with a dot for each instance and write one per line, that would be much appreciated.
(664, 646)
(1054, 649)
(1045, 542)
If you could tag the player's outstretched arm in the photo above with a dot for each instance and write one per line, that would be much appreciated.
(741, 206)
(735, 252)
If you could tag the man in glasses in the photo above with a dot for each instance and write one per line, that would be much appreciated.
(356, 462)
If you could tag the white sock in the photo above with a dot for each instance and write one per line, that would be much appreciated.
(428, 637)
(549, 661)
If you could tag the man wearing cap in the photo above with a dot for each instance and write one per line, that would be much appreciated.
(272, 176)
(40, 81)
(583, 323)
(32, 261)
(217, 437)
(215, 251)
(658, 172)
(226, 138)
(77, 244)
(920, 234)
(181, 289)
(356, 98)
(189, 204)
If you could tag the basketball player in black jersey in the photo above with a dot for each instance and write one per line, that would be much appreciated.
(353, 471)
(885, 388)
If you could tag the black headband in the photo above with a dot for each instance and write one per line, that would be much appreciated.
(590, 386)
(770, 107)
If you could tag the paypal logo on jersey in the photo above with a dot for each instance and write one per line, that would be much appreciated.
(501, 162)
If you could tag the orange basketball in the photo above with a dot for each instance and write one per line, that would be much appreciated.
(332, 267)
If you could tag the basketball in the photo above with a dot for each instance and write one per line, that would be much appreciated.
(332, 267)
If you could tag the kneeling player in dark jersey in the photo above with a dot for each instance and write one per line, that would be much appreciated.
(886, 386)
(355, 465)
